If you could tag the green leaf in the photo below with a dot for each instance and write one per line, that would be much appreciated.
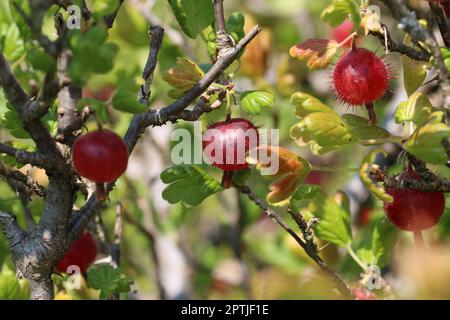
(326, 129)
(11, 121)
(105, 7)
(378, 250)
(188, 184)
(11, 288)
(338, 11)
(426, 142)
(11, 43)
(417, 109)
(306, 191)
(184, 75)
(193, 15)
(383, 240)
(91, 53)
(252, 102)
(334, 222)
(41, 60)
(305, 104)
(125, 99)
(235, 24)
(108, 280)
(362, 130)
(414, 73)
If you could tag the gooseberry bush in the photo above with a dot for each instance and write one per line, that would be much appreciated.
(175, 149)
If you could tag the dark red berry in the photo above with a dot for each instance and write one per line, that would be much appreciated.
(82, 253)
(100, 156)
(414, 210)
(226, 143)
(360, 77)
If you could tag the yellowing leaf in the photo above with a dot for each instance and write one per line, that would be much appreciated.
(185, 75)
(376, 189)
(417, 109)
(318, 52)
(292, 170)
(426, 142)
(414, 73)
(327, 129)
(305, 104)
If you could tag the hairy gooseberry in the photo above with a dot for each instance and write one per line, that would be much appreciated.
(360, 78)
(227, 143)
(414, 210)
(82, 253)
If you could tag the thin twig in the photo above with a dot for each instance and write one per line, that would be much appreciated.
(343, 288)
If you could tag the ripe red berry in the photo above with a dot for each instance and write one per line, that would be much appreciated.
(360, 77)
(82, 253)
(363, 294)
(414, 210)
(342, 32)
(100, 156)
(226, 144)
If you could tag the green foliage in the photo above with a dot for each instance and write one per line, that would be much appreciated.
(360, 128)
(41, 60)
(11, 288)
(414, 73)
(125, 100)
(339, 10)
(183, 77)
(108, 280)
(11, 121)
(193, 15)
(416, 110)
(377, 251)
(92, 54)
(188, 184)
(334, 221)
(252, 102)
(426, 142)
(11, 43)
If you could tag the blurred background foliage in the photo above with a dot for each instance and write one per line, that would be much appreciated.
(225, 248)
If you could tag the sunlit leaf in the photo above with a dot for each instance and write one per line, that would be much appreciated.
(252, 102)
(318, 52)
(426, 142)
(417, 109)
(193, 15)
(188, 184)
(292, 170)
(185, 75)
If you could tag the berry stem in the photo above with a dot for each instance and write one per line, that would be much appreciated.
(372, 115)
(418, 239)
(227, 179)
(100, 192)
